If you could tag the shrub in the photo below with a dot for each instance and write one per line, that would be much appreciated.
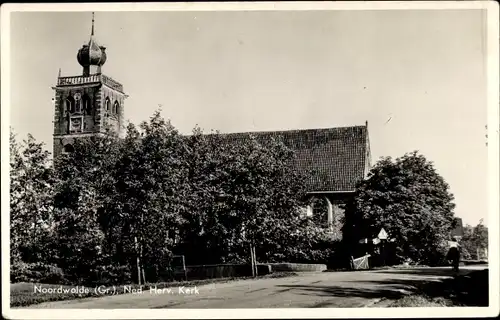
(36, 272)
(116, 275)
(106, 275)
(438, 257)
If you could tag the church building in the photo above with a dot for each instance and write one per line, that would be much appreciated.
(338, 158)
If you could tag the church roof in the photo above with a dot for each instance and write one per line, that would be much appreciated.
(334, 158)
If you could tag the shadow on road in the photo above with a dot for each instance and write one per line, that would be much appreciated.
(338, 291)
(446, 272)
(464, 290)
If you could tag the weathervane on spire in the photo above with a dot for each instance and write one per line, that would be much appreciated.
(92, 24)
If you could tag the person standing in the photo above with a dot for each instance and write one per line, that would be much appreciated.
(454, 254)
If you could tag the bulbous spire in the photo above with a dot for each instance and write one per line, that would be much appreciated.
(91, 54)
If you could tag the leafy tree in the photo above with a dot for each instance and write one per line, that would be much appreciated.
(242, 192)
(151, 190)
(279, 193)
(410, 200)
(30, 199)
(207, 235)
(474, 241)
(16, 224)
(84, 196)
(16, 163)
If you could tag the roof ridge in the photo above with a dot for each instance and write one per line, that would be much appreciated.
(291, 130)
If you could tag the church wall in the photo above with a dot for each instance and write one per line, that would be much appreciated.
(91, 120)
(114, 119)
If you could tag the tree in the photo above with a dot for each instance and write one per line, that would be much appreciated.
(276, 192)
(244, 192)
(31, 191)
(474, 241)
(206, 235)
(151, 189)
(84, 199)
(16, 224)
(410, 200)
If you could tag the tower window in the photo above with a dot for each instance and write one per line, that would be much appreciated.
(108, 105)
(87, 108)
(70, 105)
(78, 106)
(116, 107)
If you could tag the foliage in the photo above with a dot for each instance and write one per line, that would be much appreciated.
(112, 275)
(240, 193)
(306, 243)
(31, 200)
(410, 200)
(151, 190)
(36, 272)
(156, 193)
(83, 191)
(474, 242)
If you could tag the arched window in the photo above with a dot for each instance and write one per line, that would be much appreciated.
(78, 106)
(319, 211)
(70, 104)
(87, 108)
(68, 148)
(107, 104)
(116, 107)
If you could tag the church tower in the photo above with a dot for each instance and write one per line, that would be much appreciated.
(87, 104)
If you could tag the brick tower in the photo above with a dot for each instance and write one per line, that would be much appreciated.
(88, 104)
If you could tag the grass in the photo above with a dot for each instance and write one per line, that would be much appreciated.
(419, 300)
(473, 262)
(23, 294)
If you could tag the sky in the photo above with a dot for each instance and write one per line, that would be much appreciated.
(418, 77)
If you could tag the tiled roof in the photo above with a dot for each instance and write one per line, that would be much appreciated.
(336, 156)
